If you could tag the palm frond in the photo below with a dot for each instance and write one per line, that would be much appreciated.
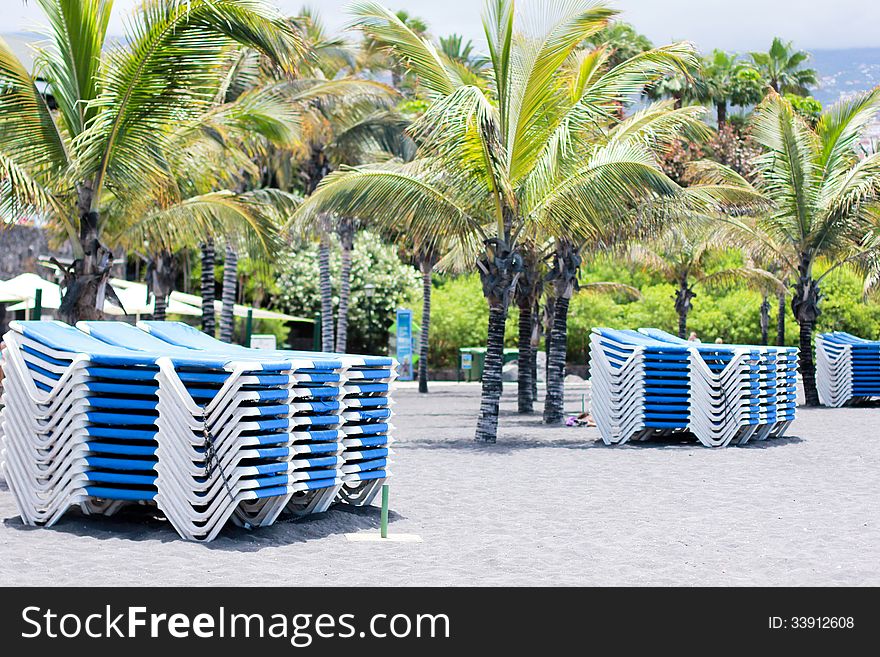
(614, 180)
(660, 125)
(841, 127)
(754, 278)
(21, 194)
(28, 134)
(72, 57)
(789, 169)
(168, 74)
(607, 287)
(417, 53)
(498, 24)
(539, 88)
(392, 198)
(252, 218)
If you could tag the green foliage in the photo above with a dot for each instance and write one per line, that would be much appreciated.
(460, 318)
(806, 106)
(460, 313)
(623, 39)
(746, 87)
(373, 262)
(843, 308)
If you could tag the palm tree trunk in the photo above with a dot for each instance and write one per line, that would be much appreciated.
(524, 360)
(683, 296)
(326, 294)
(536, 343)
(230, 279)
(208, 283)
(549, 314)
(528, 290)
(160, 308)
(161, 278)
(86, 279)
(427, 267)
(554, 402)
(765, 319)
(780, 321)
(721, 110)
(805, 307)
(346, 239)
(807, 366)
(487, 423)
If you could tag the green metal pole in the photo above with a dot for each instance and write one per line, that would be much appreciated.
(38, 304)
(316, 334)
(383, 526)
(249, 327)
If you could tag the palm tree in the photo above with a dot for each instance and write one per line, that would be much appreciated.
(783, 68)
(214, 150)
(345, 230)
(529, 150)
(208, 287)
(684, 255)
(720, 74)
(462, 54)
(623, 39)
(824, 198)
(162, 273)
(116, 110)
(427, 258)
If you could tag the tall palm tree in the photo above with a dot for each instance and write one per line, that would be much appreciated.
(824, 196)
(783, 68)
(529, 150)
(116, 110)
(719, 73)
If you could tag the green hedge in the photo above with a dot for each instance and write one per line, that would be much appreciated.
(460, 314)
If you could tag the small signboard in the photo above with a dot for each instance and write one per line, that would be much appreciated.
(405, 344)
(467, 361)
(266, 342)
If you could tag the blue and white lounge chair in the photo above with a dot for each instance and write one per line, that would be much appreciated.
(639, 386)
(847, 368)
(653, 383)
(738, 392)
(366, 401)
(205, 437)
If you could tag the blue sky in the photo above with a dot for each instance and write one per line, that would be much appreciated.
(728, 24)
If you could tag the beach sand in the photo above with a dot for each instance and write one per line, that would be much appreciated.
(545, 506)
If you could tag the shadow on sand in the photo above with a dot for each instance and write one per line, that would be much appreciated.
(513, 443)
(147, 524)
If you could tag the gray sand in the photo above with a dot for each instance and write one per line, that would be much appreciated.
(542, 507)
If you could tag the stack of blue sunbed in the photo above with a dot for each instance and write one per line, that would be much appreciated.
(106, 415)
(650, 383)
(639, 386)
(738, 392)
(364, 398)
(847, 368)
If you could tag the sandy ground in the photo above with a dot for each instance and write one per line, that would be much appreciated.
(542, 507)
